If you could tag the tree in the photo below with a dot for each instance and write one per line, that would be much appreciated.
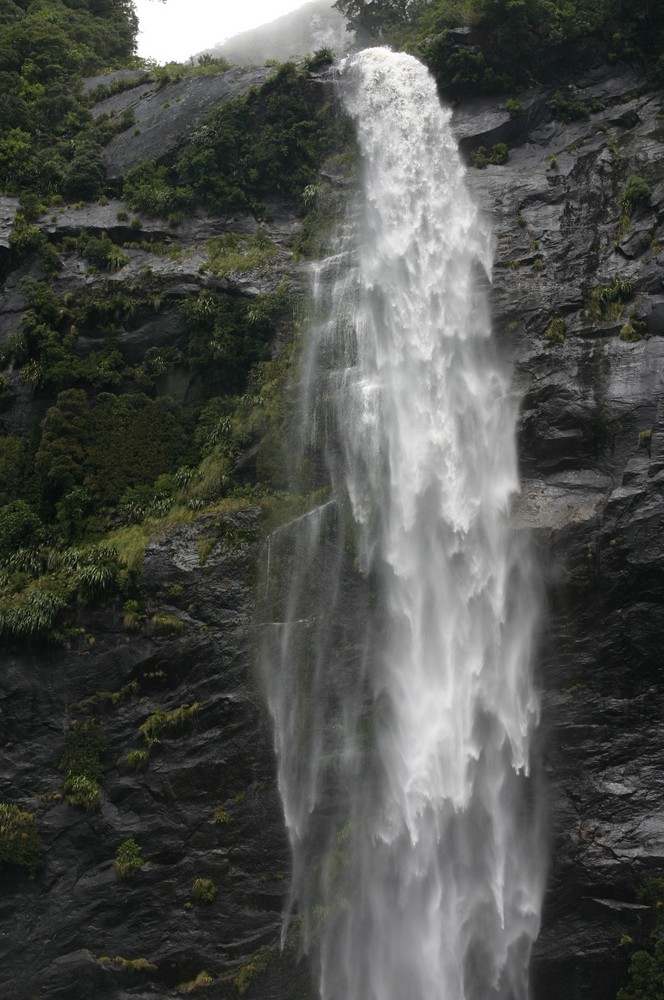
(375, 16)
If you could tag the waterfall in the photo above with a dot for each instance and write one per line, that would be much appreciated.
(399, 626)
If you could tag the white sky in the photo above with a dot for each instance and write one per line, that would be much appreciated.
(178, 28)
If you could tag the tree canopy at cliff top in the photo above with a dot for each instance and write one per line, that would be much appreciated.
(513, 42)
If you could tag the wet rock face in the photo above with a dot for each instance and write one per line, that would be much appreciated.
(202, 806)
(592, 450)
(166, 116)
(590, 378)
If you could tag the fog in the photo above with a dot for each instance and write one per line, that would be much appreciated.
(314, 26)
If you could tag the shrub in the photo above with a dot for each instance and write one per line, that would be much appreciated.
(25, 239)
(202, 979)
(133, 615)
(133, 964)
(128, 860)
(257, 963)
(646, 975)
(19, 528)
(498, 155)
(555, 331)
(138, 758)
(86, 173)
(160, 721)
(636, 192)
(82, 791)
(319, 60)
(168, 624)
(102, 253)
(204, 890)
(568, 109)
(606, 302)
(85, 743)
(81, 762)
(514, 107)
(20, 843)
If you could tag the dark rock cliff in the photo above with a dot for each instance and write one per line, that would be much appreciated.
(591, 384)
(588, 365)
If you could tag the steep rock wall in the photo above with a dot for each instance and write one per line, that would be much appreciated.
(591, 446)
(590, 442)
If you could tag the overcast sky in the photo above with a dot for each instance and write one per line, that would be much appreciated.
(176, 29)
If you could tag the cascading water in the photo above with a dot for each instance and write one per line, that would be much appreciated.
(401, 610)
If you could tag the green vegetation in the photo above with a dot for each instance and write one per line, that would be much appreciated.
(138, 758)
(555, 331)
(82, 791)
(168, 624)
(114, 461)
(646, 969)
(167, 722)
(632, 330)
(103, 459)
(232, 252)
(204, 890)
(606, 302)
(636, 192)
(273, 140)
(129, 964)
(202, 979)
(221, 816)
(82, 763)
(568, 108)
(49, 143)
(498, 155)
(20, 843)
(128, 860)
(257, 964)
(514, 41)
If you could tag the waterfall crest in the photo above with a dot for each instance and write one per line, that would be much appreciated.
(398, 661)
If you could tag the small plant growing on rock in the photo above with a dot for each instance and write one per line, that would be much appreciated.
(636, 192)
(319, 60)
(632, 330)
(221, 816)
(160, 721)
(132, 617)
(133, 964)
(498, 155)
(138, 758)
(204, 890)
(168, 624)
(128, 860)
(202, 979)
(514, 107)
(20, 843)
(606, 302)
(81, 762)
(258, 963)
(555, 331)
(82, 791)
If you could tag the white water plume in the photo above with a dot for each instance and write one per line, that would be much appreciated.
(398, 660)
